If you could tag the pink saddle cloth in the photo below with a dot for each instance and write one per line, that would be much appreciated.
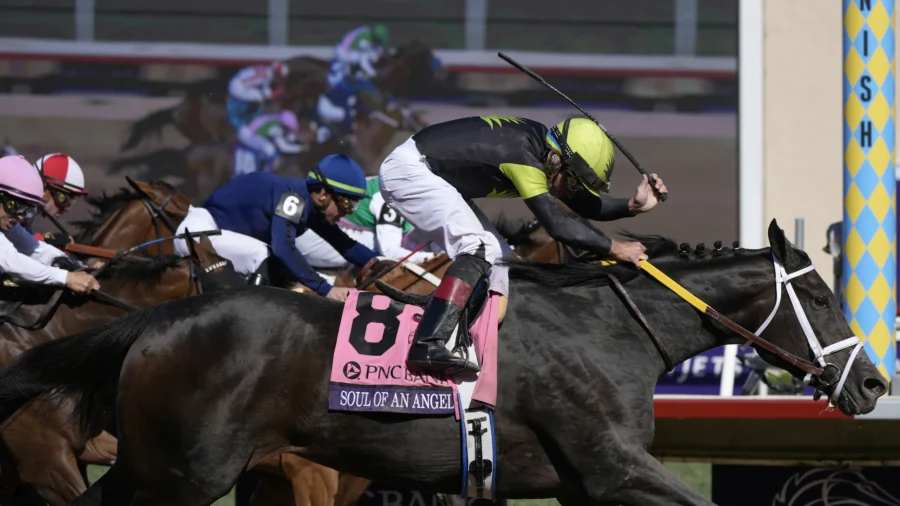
(368, 370)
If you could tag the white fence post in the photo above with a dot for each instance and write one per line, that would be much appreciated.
(278, 22)
(685, 27)
(84, 20)
(476, 24)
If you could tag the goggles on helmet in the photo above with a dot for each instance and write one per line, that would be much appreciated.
(344, 203)
(15, 206)
(62, 198)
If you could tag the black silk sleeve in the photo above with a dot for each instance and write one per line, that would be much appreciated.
(565, 229)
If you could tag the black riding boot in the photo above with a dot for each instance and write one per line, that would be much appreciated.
(260, 276)
(442, 315)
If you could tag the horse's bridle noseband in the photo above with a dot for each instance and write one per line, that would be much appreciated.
(782, 277)
(813, 370)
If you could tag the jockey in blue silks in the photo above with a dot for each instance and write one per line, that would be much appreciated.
(336, 108)
(261, 214)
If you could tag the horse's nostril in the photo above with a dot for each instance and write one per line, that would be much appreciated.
(876, 386)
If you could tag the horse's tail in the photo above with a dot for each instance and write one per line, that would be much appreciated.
(85, 366)
(167, 161)
(152, 123)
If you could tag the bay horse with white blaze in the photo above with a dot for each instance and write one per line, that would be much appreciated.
(210, 385)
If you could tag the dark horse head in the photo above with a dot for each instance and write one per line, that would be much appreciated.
(774, 292)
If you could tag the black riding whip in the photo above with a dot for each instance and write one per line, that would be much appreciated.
(638, 166)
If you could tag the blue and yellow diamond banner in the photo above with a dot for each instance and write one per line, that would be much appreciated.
(870, 217)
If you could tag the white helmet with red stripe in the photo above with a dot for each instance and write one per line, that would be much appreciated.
(61, 171)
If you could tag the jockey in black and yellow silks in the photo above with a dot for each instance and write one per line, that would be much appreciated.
(432, 178)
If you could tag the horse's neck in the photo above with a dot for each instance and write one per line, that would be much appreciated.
(123, 229)
(735, 289)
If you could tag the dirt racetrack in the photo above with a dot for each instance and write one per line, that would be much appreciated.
(695, 154)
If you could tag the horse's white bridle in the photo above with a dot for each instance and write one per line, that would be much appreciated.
(781, 276)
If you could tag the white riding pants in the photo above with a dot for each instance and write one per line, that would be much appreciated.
(322, 255)
(439, 212)
(246, 253)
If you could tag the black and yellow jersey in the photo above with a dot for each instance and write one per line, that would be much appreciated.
(502, 157)
(487, 156)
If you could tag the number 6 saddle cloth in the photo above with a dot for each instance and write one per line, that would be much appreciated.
(369, 371)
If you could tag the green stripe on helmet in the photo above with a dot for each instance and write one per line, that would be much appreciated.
(361, 192)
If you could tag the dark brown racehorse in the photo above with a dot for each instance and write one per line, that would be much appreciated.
(202, 116)
(40, 452)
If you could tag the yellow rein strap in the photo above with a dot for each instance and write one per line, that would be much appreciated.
(674, 286)
(703, 307)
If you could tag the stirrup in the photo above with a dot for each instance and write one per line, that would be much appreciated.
(447, 368)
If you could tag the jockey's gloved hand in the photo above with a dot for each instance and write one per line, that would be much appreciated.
(57, 239)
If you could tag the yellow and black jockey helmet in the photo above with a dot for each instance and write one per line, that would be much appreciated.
(587, 153)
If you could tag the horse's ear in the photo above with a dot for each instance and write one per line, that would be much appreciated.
(135, 185)
(146, 189)
(781, 246)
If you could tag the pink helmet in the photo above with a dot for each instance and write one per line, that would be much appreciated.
(289, 120)
(20, 179)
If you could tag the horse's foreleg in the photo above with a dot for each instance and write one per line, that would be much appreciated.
(350, 489)
(651, 483)
(605, 462)
(313, 484)
(100, 450)
(45, 457)
(112, 489)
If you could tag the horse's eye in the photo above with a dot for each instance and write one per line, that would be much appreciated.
(822, 301)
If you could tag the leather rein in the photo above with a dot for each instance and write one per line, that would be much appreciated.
(157, 213)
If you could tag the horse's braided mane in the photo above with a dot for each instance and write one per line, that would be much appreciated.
(106, 205)
(574, 273)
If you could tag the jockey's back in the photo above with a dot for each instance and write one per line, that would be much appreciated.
(246, 204)
(487, 156)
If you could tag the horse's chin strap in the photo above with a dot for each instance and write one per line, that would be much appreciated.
(782, 277)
